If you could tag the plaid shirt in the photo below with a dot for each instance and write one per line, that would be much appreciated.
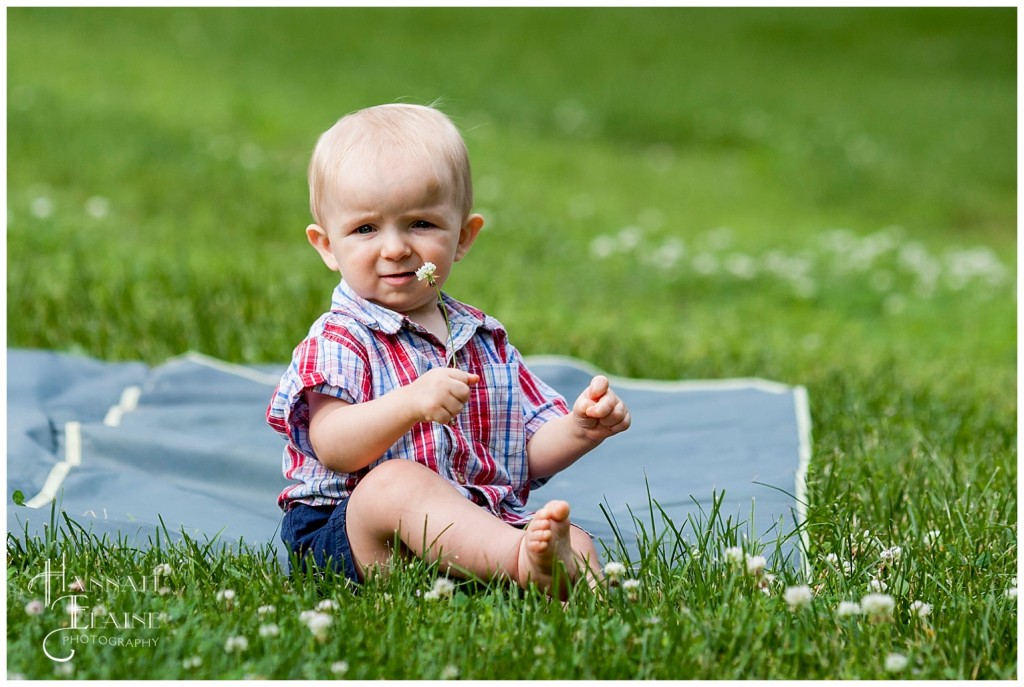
(359, 351)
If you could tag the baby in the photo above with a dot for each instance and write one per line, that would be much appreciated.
(395, 451)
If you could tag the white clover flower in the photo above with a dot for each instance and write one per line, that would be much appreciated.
(162, 570)
(266, 610)
(317, 622)
(764, 583)
(450, 672)
(327, 605)
(848, 608)
(42, 207)
(427, 272)
(733, 554)
(878, 606)
(431, 595)
(630, 237)
(704, 264)
(34, 607)
(97, 207)
(631, 584)
(832, 560)
(192, 662)
(891, 554)
(73, 608)
(614, 569)
(1011, 593)
(653, 620)
(668, 254)
(163, 591)
(894, 663)
(269, 630)
(931, 537)
(339, 667)
(76, 586)
(877, 585)
(443, 587)
(920, 609)
(755, 565)
(741, 266)
(798, 596)
(226, 595)
(603, 246)
(236, 645)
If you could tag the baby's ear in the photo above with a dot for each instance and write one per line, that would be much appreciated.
(470, 230)
(319, 239)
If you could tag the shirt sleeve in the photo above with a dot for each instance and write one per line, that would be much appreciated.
(332, 362)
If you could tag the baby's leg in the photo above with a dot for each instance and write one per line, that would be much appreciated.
(438, 523)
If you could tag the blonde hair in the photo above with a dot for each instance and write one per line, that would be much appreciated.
(419, 131)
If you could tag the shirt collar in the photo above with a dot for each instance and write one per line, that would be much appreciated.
(463, 318)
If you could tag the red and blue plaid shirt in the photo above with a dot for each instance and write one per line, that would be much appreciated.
(360, 351)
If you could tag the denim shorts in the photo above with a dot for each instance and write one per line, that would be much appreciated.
(319, 531)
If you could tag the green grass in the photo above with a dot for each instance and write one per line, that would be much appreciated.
(823, 197)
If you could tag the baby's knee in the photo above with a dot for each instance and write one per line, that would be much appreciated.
(583, 545)
(392, 477)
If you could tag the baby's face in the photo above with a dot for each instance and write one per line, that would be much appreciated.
(384, 221)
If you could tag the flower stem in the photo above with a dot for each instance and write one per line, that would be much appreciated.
(449, 359)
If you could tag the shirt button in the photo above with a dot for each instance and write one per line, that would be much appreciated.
(460, 478)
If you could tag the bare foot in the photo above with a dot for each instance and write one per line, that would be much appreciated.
(546, 547)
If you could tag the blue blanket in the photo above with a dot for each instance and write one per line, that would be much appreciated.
(120, 446)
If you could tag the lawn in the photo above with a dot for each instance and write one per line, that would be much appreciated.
(820, 197)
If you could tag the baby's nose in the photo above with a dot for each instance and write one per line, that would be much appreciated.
(394, 246)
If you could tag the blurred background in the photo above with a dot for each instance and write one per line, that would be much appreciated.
(670, 193)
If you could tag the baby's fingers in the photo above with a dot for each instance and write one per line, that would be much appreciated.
(614, 419)
(598, 388)
(605, 406)
(618, 421)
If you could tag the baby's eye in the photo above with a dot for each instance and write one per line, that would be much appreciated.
(365, 229)
(421, 224)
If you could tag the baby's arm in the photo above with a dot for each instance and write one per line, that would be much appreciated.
(597, 414)
(349, 436)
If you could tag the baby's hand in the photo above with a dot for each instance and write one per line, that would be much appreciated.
(600, 411)
(440, 394)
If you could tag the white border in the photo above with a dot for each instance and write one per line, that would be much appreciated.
(803, 424)
(662, 384)
(228, 368)
(72, 458)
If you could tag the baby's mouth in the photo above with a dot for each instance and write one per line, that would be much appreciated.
(398, 277)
